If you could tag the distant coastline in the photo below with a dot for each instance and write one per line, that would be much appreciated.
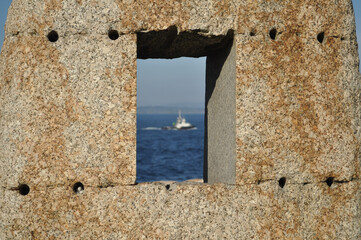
(169, 110)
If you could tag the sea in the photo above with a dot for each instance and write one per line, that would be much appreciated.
(174, 155)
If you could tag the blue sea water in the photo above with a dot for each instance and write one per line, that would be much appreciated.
(169, 154)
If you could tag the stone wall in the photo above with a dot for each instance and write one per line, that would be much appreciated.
(283, 75)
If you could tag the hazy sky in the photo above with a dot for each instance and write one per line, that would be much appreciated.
(172, 82)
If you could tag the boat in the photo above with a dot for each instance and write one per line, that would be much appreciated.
(181, 124)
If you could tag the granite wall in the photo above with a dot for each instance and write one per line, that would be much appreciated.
(287, 167)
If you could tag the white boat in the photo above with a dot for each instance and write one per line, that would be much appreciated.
(181, 124)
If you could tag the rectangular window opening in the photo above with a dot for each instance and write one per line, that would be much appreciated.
(208, 151)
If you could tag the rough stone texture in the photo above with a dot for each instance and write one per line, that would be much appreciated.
(298, 106)
(192, 211)
(68, 114)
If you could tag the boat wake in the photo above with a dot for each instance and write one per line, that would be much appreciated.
(152, 128)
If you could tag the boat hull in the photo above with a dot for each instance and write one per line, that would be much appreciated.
(175, 128)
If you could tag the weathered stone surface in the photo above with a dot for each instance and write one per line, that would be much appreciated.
(194, 211)
(68, 114)
(97, 17)
(297, 104)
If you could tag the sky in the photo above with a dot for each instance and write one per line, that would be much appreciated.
(177, 82)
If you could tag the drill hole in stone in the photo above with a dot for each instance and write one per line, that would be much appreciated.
(53, 36)
(321, 37)
(282, 182)
(113, 34)
(252, 33)
(329, 181)
(24, 189)
(78, 187)
(273, 33)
